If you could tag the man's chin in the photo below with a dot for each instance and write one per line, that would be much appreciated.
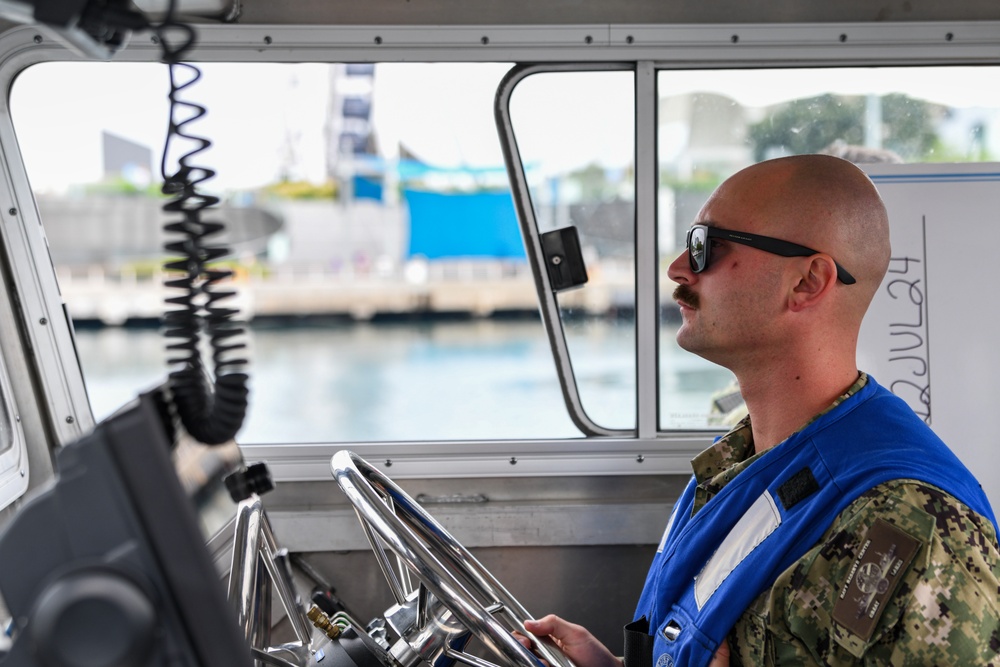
(688, 341)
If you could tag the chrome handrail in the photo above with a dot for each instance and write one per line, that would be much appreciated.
(258, 568)
(448, 571)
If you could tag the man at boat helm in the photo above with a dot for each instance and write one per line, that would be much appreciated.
(830, 526)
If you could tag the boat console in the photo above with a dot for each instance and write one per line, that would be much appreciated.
(111, 571)
(107, 565)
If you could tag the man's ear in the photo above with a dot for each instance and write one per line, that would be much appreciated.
(816, 277)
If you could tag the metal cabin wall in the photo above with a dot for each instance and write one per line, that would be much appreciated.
(574, 546)
(595, 586)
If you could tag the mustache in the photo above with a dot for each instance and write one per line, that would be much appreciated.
(687, 295)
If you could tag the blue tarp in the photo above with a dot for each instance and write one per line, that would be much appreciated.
(408, 169)
(367, 188)
(480, 224)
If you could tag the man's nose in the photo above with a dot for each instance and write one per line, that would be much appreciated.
(680, 269)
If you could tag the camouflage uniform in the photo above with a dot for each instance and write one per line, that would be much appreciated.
(943, 609)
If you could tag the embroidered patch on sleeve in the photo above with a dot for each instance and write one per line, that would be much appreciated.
(885, 554)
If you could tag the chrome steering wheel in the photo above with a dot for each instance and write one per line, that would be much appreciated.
(455, 594)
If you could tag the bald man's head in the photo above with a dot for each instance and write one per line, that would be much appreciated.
(821, 202)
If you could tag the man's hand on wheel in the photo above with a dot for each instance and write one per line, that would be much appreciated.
(573, 640)
(583, 648)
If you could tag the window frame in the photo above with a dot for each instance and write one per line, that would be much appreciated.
(549, 306)
(14, 463)
(63, 403)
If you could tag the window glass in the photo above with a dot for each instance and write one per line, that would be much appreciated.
(576, 135)
(374, 244)
(713, 123)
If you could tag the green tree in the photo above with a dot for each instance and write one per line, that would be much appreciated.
(908, 125)
(808, 125)
(811, 124)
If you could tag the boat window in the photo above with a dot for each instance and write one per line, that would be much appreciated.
(713, 123)
(575, 132)
(375, 249)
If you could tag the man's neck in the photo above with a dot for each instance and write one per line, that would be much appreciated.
(780, 405)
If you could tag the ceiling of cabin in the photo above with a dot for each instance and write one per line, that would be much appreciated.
(567, 12)
(456, 12)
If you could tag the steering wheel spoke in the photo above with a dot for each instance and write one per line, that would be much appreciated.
(378, 548)
(452, 583)
(422, 602)
(468, 658)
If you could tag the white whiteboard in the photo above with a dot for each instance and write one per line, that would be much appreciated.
(932, 335)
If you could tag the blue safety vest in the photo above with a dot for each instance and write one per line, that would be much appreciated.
(714, 564)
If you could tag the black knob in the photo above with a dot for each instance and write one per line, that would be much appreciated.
(251, 479)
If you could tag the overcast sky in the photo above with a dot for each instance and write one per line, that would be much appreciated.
(265, 118)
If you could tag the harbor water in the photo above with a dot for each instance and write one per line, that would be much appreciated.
(428, 380)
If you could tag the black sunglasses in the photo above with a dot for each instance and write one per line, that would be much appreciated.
(699, 248)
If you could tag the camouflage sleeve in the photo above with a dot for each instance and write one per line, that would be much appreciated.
(906, 575)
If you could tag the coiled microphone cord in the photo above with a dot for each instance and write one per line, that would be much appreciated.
(212, 413)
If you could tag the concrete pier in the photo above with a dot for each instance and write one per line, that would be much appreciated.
(472, 288)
